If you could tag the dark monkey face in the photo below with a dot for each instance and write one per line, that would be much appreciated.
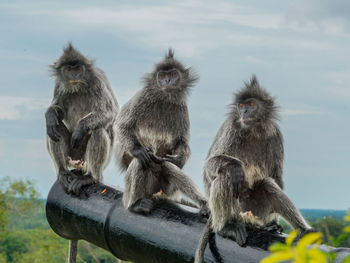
(73, 72)
(168, 78)
(253, 106)
(248, 112)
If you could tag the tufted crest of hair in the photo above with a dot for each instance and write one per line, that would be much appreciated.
(189, 77)
(252, 89)
(70, 54)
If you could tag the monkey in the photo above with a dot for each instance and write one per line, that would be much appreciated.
(152, 136)
(80, 123)
(243, 170)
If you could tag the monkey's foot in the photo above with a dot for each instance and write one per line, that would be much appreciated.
(65, 178)
(159, 194)
(249, 218)
(273, 227)
(77, 164)
(79, 182)
(236, 232)
(142, 206)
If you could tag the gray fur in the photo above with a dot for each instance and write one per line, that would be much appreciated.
(157, 119)
(84, 112)
(256, 149)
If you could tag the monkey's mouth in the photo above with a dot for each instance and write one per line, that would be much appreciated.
(75, 82)
(244, 120)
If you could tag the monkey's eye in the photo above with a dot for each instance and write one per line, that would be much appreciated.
(241, 105)
(161, 75)
(78, 69)
(68, 69)
(174, 74)
(251, 104)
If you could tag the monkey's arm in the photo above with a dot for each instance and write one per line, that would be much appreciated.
(92, 121)
(277, 157)
(54, 115)
(229, 170)
(219, 163)
(126, 133)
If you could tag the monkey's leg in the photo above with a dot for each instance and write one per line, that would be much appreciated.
(140, 185)
(59, 154)
(98, 153)
(267, 197)
(178, 180)
(225, 209)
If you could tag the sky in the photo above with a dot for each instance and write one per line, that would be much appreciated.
(299, 51)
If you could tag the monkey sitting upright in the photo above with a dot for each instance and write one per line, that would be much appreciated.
(243, 170)
(80, 120)
(80, 124)
(152, 138)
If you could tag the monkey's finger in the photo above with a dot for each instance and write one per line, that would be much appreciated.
(156, 159)
(239, 188)
(236, 190)
(75, 142)
(53, 134)
(145, 160)
(171, 156)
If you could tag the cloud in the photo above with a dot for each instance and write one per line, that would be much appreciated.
(21, 108)
(191, 26)
(331, 17)
(294, 112)
(339, 83)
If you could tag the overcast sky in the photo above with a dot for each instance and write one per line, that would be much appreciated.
(299, 50)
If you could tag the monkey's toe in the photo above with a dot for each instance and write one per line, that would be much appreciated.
(79, 183)
(236, 232)
(142, 206)
(65, 178)
(273, 227)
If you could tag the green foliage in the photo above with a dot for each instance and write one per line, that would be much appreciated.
(306, 249)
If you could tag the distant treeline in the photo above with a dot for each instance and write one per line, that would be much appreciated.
(312, 214)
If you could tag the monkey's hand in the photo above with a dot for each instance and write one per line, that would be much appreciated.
(78, 136)
(175, 159)
(52, 122)
(143, 155)
(236, 177)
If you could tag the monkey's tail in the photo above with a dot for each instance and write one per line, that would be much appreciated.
(214, 249)
(73, 250)
(207, 236)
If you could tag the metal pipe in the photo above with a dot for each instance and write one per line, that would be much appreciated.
(169, 234)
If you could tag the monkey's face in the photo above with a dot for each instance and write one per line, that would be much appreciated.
(168, 78)
(73, 73)
(248, 112)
